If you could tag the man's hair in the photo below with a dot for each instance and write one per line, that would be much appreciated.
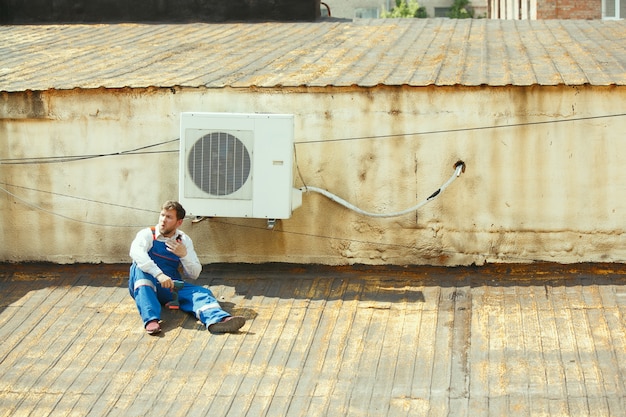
(175, 205)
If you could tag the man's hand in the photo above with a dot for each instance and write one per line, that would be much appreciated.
(176, 247)
(166, 282)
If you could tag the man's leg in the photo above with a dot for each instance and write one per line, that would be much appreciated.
(201, 302)
(143, 288)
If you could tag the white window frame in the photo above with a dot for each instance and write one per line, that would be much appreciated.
(618, 6)
(514, 9)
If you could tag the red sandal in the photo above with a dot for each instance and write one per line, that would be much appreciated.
(152, 327)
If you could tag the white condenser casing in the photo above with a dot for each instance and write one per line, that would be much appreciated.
(237, 165)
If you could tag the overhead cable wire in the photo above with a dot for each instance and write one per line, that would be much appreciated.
(461, 129)
(77, 198)
(36, 207)
(60, 159)
(57, 159)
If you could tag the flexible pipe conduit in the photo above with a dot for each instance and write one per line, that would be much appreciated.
(459, 167)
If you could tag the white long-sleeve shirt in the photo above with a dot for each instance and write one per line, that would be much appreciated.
(143, 243)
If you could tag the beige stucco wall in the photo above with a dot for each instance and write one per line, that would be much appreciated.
(536, 188)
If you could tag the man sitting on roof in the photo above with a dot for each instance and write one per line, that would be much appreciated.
(157, 253)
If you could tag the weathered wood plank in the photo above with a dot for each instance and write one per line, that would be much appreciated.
(517, 369)
(479, 354)
(325, 395)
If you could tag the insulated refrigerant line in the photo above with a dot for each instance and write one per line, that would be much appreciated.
(459, 167)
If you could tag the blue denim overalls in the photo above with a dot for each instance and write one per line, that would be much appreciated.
(149, 295)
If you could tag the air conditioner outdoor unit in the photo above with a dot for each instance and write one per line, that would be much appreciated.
(237, 165)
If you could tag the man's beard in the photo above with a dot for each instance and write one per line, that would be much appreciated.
(166, 232)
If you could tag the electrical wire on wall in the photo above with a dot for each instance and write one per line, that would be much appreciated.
(65, 159)
(73, 158)
(36, 207)
(464, 129)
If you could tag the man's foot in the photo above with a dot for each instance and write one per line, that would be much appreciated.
(230, 324)
(153, 327)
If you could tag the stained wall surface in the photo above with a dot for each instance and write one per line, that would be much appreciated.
(543, 181)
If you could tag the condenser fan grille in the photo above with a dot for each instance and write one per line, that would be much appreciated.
(219, 163)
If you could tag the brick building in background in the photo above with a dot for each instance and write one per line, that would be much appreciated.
(560, 9)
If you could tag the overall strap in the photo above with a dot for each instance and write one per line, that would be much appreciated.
(167, 261)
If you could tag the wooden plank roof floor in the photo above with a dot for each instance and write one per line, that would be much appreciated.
(523, 340)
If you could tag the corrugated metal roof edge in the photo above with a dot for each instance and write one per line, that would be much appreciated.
(389, 52)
